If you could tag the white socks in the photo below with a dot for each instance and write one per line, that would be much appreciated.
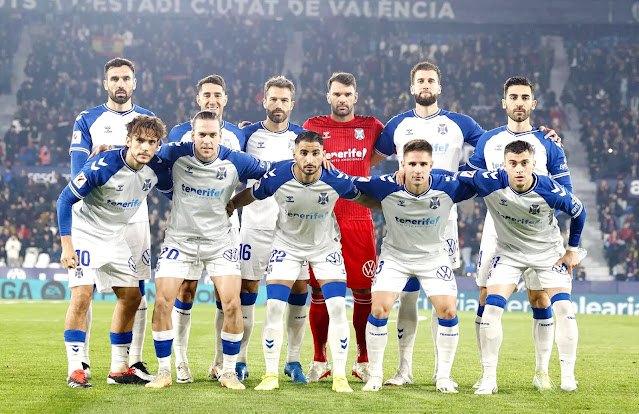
(407, 329)
(543, 335)
(566, 335)
(376, 340)
(139, 332)
(181, 319)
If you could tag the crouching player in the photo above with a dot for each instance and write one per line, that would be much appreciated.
(94, 248)
(199, 235)
(522, 205)
(306, 231)
(414, 246)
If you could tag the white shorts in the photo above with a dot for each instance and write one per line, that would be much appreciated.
(538, 271)
(435, 275)
(256, 248)
(286, 263)
(452, 239)
(188, 259)
(105, 265)
(138, 237)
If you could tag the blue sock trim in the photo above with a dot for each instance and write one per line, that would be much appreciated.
(412, 285)
(448, 322)
(248, 299)
(334, 289)
(121, 338)
(75, 335)
(297, 299)
(142, 288)
(183, 305)
(560, 296)
(480, 310)
(377, 322)
(496, 300)
(542, 313)
(218, 304)
(230, 347)
(278, 292)
(163, 348)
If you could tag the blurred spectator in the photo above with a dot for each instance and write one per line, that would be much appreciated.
(12, 248)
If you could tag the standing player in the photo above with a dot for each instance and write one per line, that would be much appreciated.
(112, 188)
(348, 141)
(306, 230)
(270, 140)
(550, 160)
(414, 246)
(522, 205)
(106, 125)
(211, 96)
(200, 235)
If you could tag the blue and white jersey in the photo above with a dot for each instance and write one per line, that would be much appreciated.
(305, 219)
(232, 135)
(111, 192)
(525, 222)
(415, 223)
(267, 146)
(549, 157)
(203, 189)
(445, 131)
(103, 126)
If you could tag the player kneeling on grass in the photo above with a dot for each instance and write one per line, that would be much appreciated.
(112, 189)
(523, 204)
(414, 246)
(306, 231)
(199, 235)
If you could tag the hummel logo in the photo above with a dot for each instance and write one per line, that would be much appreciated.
(75, 348)
(101, 163)
(269, 343)
(344, 343)
(400, 333)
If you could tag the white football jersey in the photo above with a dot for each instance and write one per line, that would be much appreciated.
(267, 146)
(104, 126)
(305, 218)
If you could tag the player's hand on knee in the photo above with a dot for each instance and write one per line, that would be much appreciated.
(399, 176)
(551, 134)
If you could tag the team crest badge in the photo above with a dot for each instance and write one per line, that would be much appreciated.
(534, 209)
(147, 185)
(359, 134)
(221, 173)
(434, 203)
(323, 198)
(442, 129)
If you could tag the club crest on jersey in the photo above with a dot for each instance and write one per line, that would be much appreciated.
(221, 173)
(147, 185)
(445, 273)
(189, 170)
(120, 187)
(359, 134)
(323, 198)
(434, 203)
(289, 199)
(335, 258)
(534, 209)
(442, 129)
(327, 134)
(79, 180)
(401, 203)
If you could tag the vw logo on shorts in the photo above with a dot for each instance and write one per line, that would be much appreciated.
(562, 270)
(335, 258)
(146, 257)
(445, 273)
(369, 269)
(132, 265)
(452, 246)
(231, 255)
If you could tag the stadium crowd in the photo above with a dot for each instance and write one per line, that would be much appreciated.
(65, 77)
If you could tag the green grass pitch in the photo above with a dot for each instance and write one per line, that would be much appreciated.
(33, 371)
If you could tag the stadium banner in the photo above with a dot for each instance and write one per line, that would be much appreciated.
(42, 175)
(460, 11)
(632, 186)
(589, 303)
